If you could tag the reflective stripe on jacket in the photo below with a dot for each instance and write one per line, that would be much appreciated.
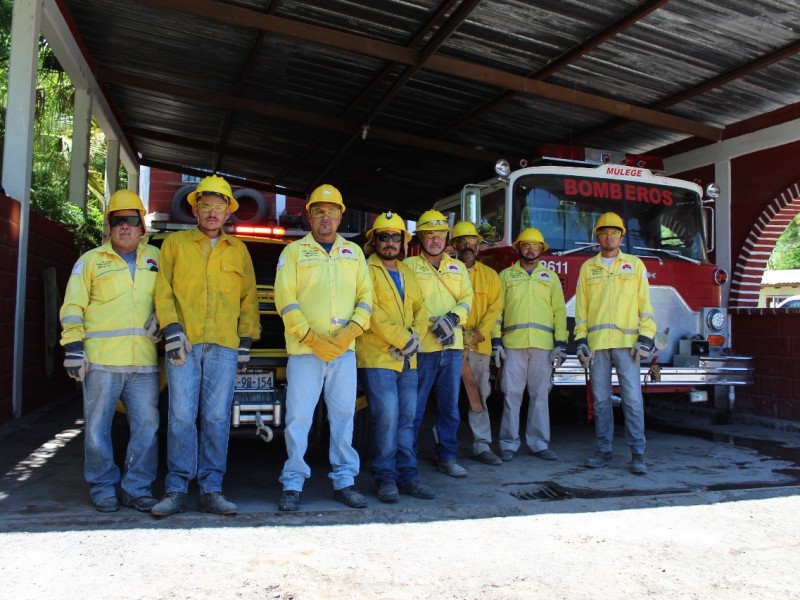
(446, 289)
(107, 310)
(612, 307)
(393, 320)
(320, 291)
(211, 293)
(486, 304)
(534, 314)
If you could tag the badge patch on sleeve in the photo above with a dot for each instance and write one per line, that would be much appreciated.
(77, 269)
(346, 252)
(544, 276)
(453, 268)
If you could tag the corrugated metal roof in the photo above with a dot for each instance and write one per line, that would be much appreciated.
(401, 102)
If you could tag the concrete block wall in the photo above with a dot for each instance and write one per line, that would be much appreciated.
(49, 245)
(772, 338)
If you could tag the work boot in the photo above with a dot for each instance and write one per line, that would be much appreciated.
(452, 468)
(506, 455)
(351, 497)
(488, 458)
(290, 500)
(215, 502)
(387, 491)
(171, 503)
(637, 465)
(417, 489)
(142, 503)
(598, 460)
(545, 454)
(107, 505)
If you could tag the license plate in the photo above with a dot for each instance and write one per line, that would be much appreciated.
(255, 381)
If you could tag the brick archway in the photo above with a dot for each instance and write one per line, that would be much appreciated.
(771, 223)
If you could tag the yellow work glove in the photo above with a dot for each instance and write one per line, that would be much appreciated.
(345, 336)
(322, 346)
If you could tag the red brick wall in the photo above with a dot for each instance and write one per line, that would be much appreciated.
(49, 245)
(772, 338)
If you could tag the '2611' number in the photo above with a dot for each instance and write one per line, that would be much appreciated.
(559, 266)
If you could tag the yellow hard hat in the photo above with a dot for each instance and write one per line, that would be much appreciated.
(465, 228)
(123, 200)
(609, 219)
(326, 193)
(214, 184)
(388, 220)
(432, 220)
(530, 235)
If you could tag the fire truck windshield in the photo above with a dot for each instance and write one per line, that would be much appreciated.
(565, 208)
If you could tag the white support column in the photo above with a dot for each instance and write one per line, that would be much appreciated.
(18, 157)
(724, 257)
(112, 167)
(81, 136)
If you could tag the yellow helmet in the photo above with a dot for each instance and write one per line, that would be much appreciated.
(326, 193)
(609, 219)
(530, 235)
(432, 220)
(123, 200)
(388, 220)
(214, 184)
(465, 228)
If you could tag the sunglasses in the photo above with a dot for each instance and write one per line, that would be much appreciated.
(390, 237)
(318, 212)
(217, 207)
(472, 240)
(131, 220)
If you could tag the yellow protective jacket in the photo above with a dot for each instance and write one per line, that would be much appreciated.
(393, 320)
(106, 309)
(612, 307)
(486, 304)
(320, 291)
(212, 294)
(534, 313)
(446, 289)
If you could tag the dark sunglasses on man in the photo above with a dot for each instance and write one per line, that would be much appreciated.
(394, 237)
(131, 220)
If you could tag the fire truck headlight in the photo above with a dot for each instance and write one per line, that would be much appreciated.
(715, 319)
(712, 190)
(502, 168)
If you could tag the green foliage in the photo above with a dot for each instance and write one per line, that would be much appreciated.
(786, 254)
(52, 143)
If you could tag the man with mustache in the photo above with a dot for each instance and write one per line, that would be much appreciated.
(206, 296)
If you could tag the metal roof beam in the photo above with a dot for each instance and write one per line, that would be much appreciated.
(242, 17)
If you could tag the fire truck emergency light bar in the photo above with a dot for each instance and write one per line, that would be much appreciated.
(575, 154)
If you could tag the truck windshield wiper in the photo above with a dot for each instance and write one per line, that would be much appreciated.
(674, 253)
(581, 246)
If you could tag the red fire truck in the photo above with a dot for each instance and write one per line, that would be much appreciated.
(669, 226)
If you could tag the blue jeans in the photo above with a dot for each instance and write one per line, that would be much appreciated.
(203, 385)
(139, 393)
(307, 375)
(392, 399)
(631, 391)
(440, 372)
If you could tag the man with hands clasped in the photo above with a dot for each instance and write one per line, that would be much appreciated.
(614, 326)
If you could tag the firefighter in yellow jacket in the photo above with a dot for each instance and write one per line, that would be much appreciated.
(109, 336)
(534, 341)
(207, 304)
(324, 296)
(387, 361)
(478, 329)
(448, 296)
(614, 326)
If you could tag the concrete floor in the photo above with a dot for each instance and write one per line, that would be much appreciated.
(41, 480)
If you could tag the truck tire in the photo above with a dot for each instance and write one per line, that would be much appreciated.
(253, 207)
(181, 210)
